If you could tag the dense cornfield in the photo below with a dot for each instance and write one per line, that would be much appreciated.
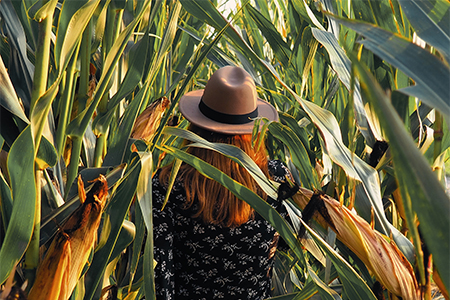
(362, 89)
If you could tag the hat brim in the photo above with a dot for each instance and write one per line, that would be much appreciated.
(188, 106)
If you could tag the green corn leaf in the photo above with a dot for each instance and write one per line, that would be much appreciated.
(23, 190)
(138, 57)
(136, 259)
(144, 197)
(303, 10)
(46, 155)
(205, 10)
(119, 145)
(130, 82)
(325, 292)
(41, 110)
(126, 237)
(78, 126)
(167, 41)
(6, 205)
(18, 42)
(144, 188)
(342, 66)
(430, 20)
(354, 286)
(73, 19)
(298, 152)
(273, 37)
(376, 12)
(429, 73)
(39, 11)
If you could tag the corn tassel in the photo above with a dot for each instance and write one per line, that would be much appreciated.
(58, 273)
(382, 258)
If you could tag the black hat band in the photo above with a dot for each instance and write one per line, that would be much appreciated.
(226, 118)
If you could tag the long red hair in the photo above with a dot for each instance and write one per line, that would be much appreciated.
(216, 204)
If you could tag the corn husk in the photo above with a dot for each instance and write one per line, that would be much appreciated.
(381, 256)
(148, 121)
(58, 273)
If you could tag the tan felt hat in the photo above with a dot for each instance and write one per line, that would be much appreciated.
(228, 104)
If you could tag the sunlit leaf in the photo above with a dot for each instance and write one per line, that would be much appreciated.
(430, 21)
(78, 126)
(429, 73)
(8, 97)
(74, 18)
(279, 46)
(41, 9)
(125, 238)
(325, 291)
(298, 152)
(342, 66)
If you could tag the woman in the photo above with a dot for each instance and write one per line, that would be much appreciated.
(208, 243)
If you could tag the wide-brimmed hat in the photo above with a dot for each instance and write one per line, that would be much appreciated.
(228, 104)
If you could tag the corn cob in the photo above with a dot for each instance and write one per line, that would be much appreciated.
(58, 273)
(381, 257)
(147, 122)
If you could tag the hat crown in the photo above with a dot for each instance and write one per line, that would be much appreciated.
(229, 103)
(232, 91)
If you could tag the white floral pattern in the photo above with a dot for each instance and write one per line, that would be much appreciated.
(204, 261)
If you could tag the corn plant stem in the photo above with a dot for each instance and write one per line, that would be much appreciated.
(39, 88)
(41, 71)
(117, 29)
(85, 54)
(438, 135)
(77, 143)
(99, 150)
(107, 44)
(66, 103)
(77, 132)
(42, 61)
(112, 32)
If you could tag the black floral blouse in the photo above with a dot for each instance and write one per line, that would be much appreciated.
(204, 261)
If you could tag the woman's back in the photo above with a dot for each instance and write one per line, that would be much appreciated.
(205, 261)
